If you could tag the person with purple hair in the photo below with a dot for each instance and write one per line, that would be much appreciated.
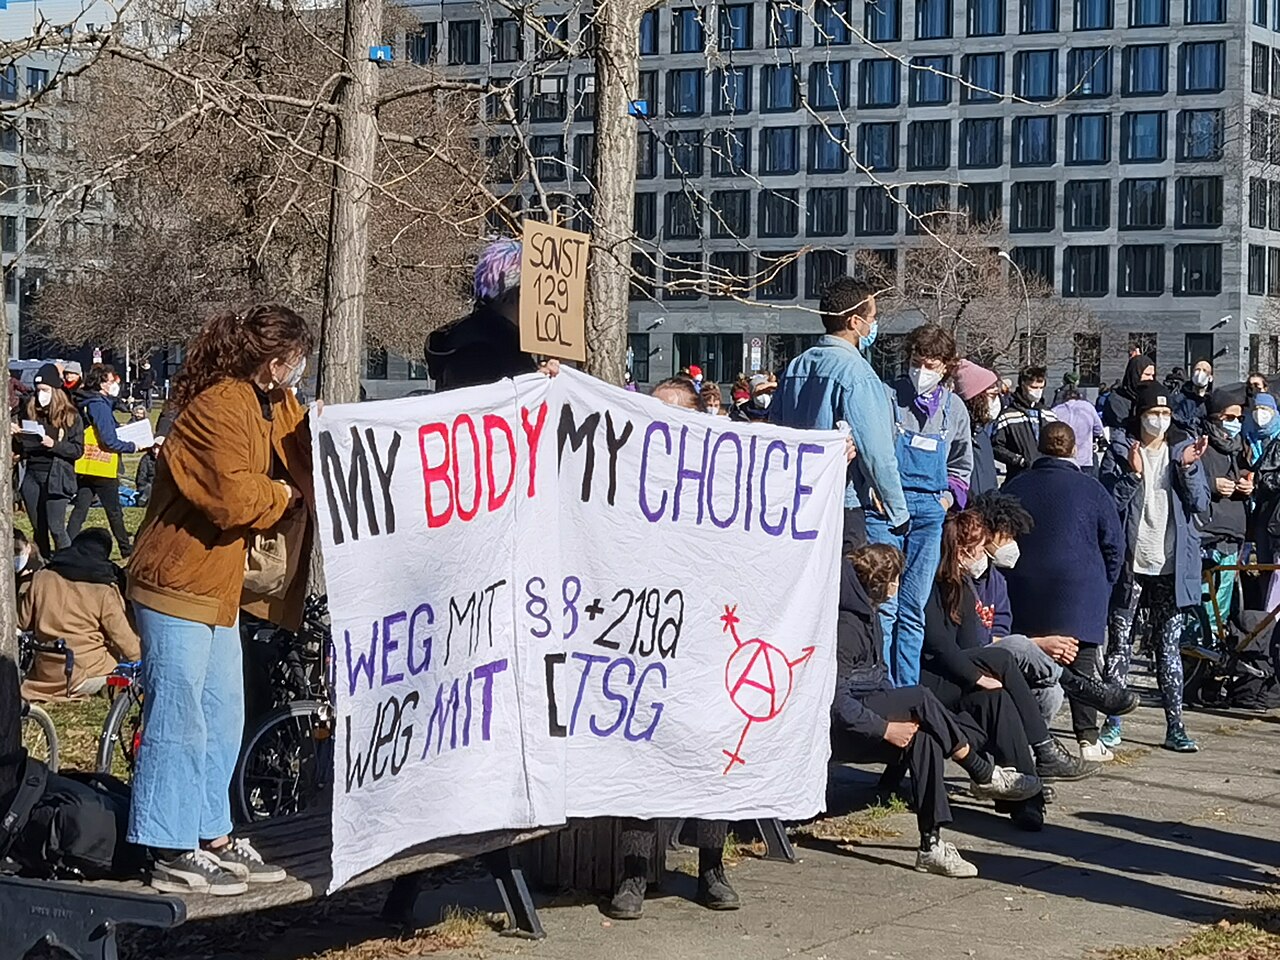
(484, 346)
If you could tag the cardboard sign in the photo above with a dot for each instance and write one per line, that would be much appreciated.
(553, 291)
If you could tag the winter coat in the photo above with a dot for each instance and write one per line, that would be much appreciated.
(56, 463)
(1227, 517)
(98, 411)
(482, 347)
(945, 641)
(1119, 406)
(1189, 409)
(1190, 490)
(1015, 436)
(1266, 490)
(860, 668)
(992, 595)
(984, 478)
(1071, 559)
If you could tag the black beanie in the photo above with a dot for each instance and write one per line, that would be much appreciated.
(48, 376)
(1151, 394)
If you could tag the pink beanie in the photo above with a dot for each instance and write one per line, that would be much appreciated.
(971, 379)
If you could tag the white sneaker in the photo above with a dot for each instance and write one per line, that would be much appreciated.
(944, 859)
(1095, 751)
(1007, 784)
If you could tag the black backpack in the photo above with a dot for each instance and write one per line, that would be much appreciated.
(68, 826)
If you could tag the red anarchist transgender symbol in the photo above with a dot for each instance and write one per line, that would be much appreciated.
(756, 679)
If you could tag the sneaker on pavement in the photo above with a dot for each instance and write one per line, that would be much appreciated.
(1007, 784)
(238, 857)
(196, 871)
(1176, 739)
(944, 859)
(1109, 736)
(1096, 751)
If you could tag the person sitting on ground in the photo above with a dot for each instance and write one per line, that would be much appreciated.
(1159, 486)
(1016, 431)
(979, 388)
(874, 722)
(26, 562)
(77, 598)
(1189, 408)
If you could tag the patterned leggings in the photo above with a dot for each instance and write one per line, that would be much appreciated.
(1157, 595)
(638, 836)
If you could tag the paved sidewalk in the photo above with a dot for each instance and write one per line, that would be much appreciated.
(1137, 855)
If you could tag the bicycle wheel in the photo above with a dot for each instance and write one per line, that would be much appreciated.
(121, 734)
(39, 736)
(285, 765)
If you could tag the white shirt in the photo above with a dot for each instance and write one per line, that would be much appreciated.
(1153, 553)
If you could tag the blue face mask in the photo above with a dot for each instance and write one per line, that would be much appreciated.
(1230, 428)
(865, 343)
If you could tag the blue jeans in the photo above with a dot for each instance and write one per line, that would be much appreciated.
(192, 724)
(902, 617)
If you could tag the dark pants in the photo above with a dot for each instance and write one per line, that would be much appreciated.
(855, 529)
(1084, 719)
(1001, 665)
(48, 515)
(107, 490)
(940, 735)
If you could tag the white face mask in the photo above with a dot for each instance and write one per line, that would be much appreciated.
(1200, 378)
(978, 566)
(20, 561)
(294, 376)
(994, 408)
(113, 389)
(1034, 394)
(44, 397)
(1156, 424)
(1263, 416)
(924, 380)
(1006, 555)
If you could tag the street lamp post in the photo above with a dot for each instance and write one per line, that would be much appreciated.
(1026, 296)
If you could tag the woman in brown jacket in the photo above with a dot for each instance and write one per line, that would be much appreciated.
(236, 463)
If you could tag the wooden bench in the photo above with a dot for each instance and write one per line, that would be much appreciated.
(80, 919)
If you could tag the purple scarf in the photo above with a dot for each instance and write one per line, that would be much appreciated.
(928, 403)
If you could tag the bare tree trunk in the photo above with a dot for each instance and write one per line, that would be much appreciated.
(617, 26)
(8, 598)
(342, 337)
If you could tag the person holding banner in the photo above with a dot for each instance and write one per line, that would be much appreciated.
(98, 471)
(49, 440)
(236, 469)
(832, 383)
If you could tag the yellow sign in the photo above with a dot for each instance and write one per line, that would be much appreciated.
(553, 291)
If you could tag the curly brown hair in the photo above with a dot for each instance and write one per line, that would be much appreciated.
(234, 346)
(962, 533)
(877, 565)
(931, 342)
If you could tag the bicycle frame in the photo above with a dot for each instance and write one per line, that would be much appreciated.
(1211, 576)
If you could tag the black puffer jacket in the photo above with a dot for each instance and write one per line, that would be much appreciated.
(860, 668)
(482, 347)
(1119, 406)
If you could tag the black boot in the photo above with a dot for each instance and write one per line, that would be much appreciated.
(1109, 698)
(714, 891)
(1053, 762)
(628, 901)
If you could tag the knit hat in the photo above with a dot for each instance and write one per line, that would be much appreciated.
(1072, 378)
(695, 371)
(48, 376)
(1227, 395)
(971, 379)
(498, 269)
(1265, 400)
(72, 366)
(1151, 394)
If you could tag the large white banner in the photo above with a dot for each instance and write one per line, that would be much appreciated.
(552, 598)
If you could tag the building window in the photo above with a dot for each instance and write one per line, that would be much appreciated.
(684, 154)
(1086, 205)
(1033, 141)
(777, 271)
(1275, 74)
(1197, 202)
(730, 153)
(779, 88)
(730, 274)
(1260, 64)
(643, 276)
(829, 85)
(784, 24)
(422, 45)
(1260, 12)
(1089, 72)
(878, 146)
(1273, 276)
(1039, 16)
(1207, 11)
(983, 77)
(930, 81)
(827, 150)
(507, 41)
(1202, 67)
(9, 234)
(9, 83)
(1142, 203)
(779, 213)
(878, 84)
(928, 144)
(730, 214)
(684, 93)
(649, 33)
(1031, 206)
(883, 20)
(1145, 70)
(924, 205)
(933, 19)
(638, 356)
(584, 97)
(375, 363)
(683, 216)
(1259, 135)
(645, 219)
(1094, 15)
(1257, 270)
(1087, 358)
(982, 142)
(735, 27)
(1035, 74)
(647, 88)
(1197, 270)
(687, 35)
(1035, 262)
(646, 155)
(550, 101)
(584, 155)
(1200, 134)
(986, 18)
(1141, 270)
(548, 156)
(731, 90)
(1085, 271)
(779, 150)
(553, 41)
(682, 276)
(827, 212)
(876, 212)
(1148, 13)
(1142, 137)
(821, 267)
(464, 42)
(37, 80)
(983, 201)
(831, 23)
(1089, 138)
(1258, 203)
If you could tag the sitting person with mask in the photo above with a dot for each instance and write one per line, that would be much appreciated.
(77, 598)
